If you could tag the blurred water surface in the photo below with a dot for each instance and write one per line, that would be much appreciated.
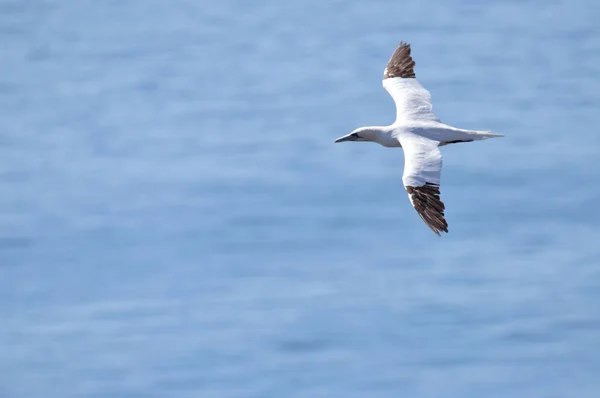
(175, 220)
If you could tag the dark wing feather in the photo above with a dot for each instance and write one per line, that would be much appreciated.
(400, 64)
(426, 200)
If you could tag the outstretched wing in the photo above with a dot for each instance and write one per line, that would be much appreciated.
(413, 102)
(421, 178)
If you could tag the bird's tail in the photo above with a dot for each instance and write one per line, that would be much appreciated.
(484, 134)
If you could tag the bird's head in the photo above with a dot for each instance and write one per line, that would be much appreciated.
(360, 134)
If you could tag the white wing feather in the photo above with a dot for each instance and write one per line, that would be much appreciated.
(422, 161)
(413, 102)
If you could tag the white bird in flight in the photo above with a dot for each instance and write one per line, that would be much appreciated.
(420, 133)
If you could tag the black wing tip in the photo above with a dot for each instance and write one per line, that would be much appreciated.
(426, 201)
(401, 63)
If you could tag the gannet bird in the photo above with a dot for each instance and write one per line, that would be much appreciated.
(420, 133)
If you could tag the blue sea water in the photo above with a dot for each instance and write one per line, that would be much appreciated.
(175, 220)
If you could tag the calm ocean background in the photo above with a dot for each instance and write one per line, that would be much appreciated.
(175, 220)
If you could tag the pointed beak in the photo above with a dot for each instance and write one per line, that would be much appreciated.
(349, 137)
